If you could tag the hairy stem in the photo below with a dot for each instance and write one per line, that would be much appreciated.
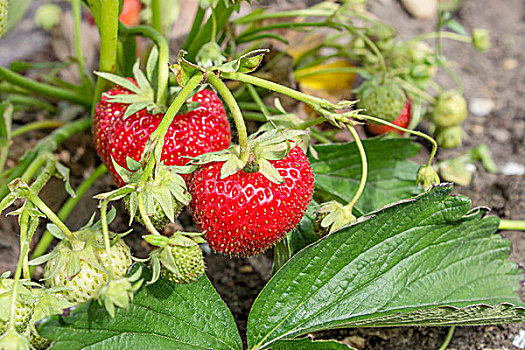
(33, 197)
(236, 113)
(364, 165)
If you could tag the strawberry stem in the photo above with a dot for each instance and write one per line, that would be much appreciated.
(364, 166)
(156, 22)
(144, 215)
(66, 209)
(105, 232)
(40, 124)
(236, 113)
(512, 225)
(413, 132)
(163, 60)
(108, 29)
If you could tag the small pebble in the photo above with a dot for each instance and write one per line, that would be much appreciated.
(512, 168)
(510, 63)
(501, 135)
(481, 107)
(421, 9)
(519, 340)
(246, 269)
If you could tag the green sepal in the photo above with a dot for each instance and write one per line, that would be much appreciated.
(55, 231)
(156, 240)
(184, 69)
(246, 63)
(119, 292)
(335, 216)
(151, 63)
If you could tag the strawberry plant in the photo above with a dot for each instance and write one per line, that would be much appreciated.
(361, 235)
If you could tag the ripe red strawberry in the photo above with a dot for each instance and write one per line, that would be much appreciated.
(402, 120)
(130, 14)
(204, 129)
(246, 213)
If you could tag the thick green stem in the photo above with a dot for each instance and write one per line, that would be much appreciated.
(105, 232)
(66, 209)
(514, 225)
(41, 124)
(44, 89)
(163, 60)
(413, 132)
(364, 166)
(156, 14)
(236, 113)
(108, 29)
(33, 197)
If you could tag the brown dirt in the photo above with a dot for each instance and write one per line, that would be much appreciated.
(240, 280)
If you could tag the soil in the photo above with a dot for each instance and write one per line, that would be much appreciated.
(240, 280)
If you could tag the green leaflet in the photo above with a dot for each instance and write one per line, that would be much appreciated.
(424, 261)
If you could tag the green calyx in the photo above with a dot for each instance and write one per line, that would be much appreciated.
(262, 146)
(178, 258)
(450, 137)
(165, 193)
(427, 177)
(142, 96)
(120, 292)
(450, 109)
(385, 101)
(331, 217)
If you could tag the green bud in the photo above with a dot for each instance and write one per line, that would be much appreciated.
(210, 55)
(481, 39)
(332, 216)
(450, 137)
(427, 176)
(47, 16)
(450, 109)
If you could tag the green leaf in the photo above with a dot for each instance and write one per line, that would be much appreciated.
(310, 344)
(456, 27)
(425, 261)
(162, 316)
(391, 177)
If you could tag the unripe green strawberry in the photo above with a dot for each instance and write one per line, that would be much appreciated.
(189, 262)
(450, 137)
(450, 109)
(3, 16)
(385, 101)
(39, 343)
(90, 273)
(23, 308)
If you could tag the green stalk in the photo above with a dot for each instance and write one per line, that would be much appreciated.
(44, 89)
(163, 60)
(364, 166)
(160, 133)
(258, 101)
(77, 16)
(448, 338)
(197, 21)
(413, 132)
(108, 29)
(66, 209)
(33, 198)
(442, 34)
(24, 223)
(512, 225)
(236, 113)
(144, 215)
(41, 124)
(105, 232)
(156, 22)
(312, 101)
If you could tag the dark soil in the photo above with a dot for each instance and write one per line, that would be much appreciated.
(240, 280)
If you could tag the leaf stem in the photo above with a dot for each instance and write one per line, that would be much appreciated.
(364, 166)
(44, 89)
(450, 333)
(41, 124)
(512, 225)
(236, 113)
(413, 132)
(144, 215)
(66, 209)
(108, 29)
(33, 198)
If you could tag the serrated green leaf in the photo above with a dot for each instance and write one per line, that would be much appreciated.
(391, 176)
(162, 316)
(310, 344)
(430, 260)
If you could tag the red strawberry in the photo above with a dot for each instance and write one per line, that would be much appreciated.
(402, 120)
(205, 129)
(246, 213)
(130, 14)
